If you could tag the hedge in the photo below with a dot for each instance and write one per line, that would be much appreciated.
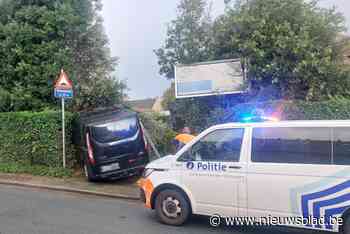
(335, 109)
(34, 139)
(159, 131)
(199, 118)
(36, 170)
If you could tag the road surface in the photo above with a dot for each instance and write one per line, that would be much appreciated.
(29, 211)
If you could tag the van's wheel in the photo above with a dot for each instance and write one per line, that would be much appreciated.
(89, 174)
(172, 208)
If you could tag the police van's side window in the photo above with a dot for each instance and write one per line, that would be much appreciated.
(341, 146)
(298, 145)
(219, 145)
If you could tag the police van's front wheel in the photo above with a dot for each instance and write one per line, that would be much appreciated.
(172, 208)
(346, 224)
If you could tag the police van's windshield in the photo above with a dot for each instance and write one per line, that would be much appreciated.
(116, 130)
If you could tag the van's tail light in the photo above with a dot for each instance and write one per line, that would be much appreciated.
(90, 151)
(132, 160)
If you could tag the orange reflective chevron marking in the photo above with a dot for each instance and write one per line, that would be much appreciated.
(147, 186)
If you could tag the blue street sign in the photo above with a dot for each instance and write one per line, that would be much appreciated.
(63, 93)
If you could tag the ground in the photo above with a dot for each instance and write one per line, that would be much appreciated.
(123, 187)
(32, 211)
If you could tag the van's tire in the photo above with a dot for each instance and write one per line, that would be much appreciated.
(172, 208)
(89, 174)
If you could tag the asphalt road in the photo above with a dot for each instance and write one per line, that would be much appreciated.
(29, 211)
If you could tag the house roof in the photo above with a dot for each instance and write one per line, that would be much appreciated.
(142, 105)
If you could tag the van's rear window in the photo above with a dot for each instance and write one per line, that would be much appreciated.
(115, 130)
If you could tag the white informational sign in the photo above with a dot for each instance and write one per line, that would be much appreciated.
(209, 78)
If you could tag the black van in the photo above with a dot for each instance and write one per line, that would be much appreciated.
(111, 144)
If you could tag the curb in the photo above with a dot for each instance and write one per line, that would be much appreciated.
(71, 190)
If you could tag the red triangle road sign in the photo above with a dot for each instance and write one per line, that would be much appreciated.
(63, 82)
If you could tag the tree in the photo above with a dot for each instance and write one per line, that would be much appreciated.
(290, 49)
(189, 37)
(222, 45)
(94, 66)
(168, 96)
(38, 38)
(189, 40)
(289, 45)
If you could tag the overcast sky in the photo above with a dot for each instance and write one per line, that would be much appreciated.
(137, 27)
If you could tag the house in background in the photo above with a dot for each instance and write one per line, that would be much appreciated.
(148, 105)
(158, 107)
(143, 105)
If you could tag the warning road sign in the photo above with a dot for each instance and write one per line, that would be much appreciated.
(63, 86)
(63, 82)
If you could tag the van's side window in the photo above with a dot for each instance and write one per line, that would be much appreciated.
(219, 145)
(297, 145)
(341, 146)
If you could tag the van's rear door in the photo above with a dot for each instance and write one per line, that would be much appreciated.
(118, 139)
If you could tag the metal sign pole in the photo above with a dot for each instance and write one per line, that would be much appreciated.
(63, 89)
(63, 135)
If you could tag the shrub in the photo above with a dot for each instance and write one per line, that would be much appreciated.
(34, 139)
(160, 133)
(202, 112)
(37, 170)
(336, 108)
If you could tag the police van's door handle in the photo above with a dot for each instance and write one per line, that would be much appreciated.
(235, 167)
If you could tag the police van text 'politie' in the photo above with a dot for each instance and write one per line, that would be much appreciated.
(206, 166)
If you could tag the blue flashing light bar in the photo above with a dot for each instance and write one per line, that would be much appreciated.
(254, 118)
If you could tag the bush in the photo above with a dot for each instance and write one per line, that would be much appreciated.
(336, 108)
(34, 139)
(159, 131)
(202, 112)
(191, 115)
(37, 170)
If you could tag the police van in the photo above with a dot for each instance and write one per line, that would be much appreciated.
(278, 169)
